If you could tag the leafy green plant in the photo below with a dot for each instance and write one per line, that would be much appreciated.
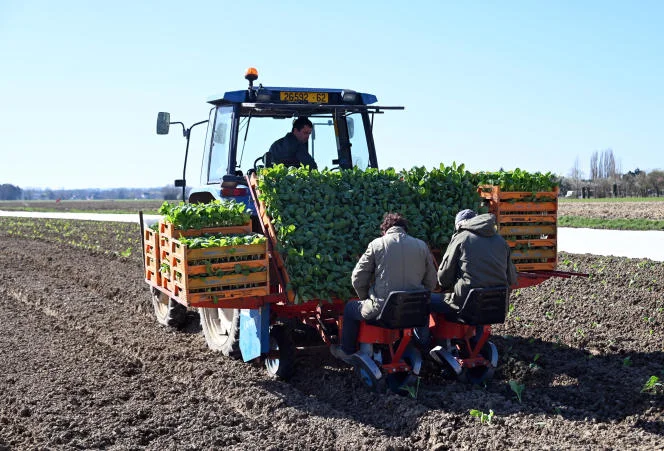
(517, 388)
(218, 213)
(484, 417)
(218, 240)
(412, 390)
(518, 180)
(126, 252)
(325, 219)
(627, 361)
(651, 384)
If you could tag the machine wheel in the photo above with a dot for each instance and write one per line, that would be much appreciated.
(221, 328)
(280, 340)
(481, 374)
(368, 379)
(168, 311)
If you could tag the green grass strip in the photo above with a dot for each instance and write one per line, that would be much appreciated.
(612, 224)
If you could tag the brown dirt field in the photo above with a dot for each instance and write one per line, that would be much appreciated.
(653, 210)
(86, 366)
(83, 205)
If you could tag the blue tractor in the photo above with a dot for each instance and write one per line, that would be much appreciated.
(242, 125)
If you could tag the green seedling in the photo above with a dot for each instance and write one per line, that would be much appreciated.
(517, 389)
(484, 417)
(126, 252)
(627, 361)
(651, 384)
(412, 390)
(559, 301)
(548, 315)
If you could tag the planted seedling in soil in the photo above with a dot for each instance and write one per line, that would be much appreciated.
(652, 385)
(484, 417)
(517, 389)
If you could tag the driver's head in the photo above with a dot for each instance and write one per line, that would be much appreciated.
(391, 220)
(302, 128)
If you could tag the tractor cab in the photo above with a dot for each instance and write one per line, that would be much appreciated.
(242, 126)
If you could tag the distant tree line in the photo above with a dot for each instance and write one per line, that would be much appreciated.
(606, 179)
(12, 192)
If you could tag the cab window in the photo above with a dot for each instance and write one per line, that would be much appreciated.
(358, 140)
(217, 164)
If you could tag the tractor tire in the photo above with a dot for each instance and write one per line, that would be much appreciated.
(480, 374)
(168, 311)
(282, 367)
(221, 328)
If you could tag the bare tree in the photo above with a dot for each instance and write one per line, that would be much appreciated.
(576, 174)
(594, 167)
(608, 164)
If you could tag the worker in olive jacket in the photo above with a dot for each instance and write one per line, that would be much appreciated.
(394, 262)
(476, 257)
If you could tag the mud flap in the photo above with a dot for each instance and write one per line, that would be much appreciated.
(254, 332)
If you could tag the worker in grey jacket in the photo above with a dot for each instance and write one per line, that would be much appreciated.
(396, 261)
(476, 257)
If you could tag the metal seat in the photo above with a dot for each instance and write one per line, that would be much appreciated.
(484, 306)
(404, 310)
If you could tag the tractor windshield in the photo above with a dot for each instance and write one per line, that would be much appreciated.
(254, 135)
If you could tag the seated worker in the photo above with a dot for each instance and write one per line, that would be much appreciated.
(396, 261)
(292, 149)
(476, 257)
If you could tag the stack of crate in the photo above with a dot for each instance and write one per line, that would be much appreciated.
(152, 256)
(199, 276)
(528, 222)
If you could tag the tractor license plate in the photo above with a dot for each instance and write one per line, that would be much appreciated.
(309, 97)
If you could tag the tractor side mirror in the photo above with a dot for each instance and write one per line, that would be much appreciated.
(163, 123)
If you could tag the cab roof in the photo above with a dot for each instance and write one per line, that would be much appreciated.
(247, 95)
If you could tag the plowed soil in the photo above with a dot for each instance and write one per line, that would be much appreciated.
(653, 210)
(85, 365)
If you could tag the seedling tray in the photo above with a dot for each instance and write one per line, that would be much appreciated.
(197, 276)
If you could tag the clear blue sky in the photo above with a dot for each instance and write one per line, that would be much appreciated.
(526, 84)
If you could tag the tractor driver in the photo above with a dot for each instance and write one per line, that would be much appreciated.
(292, 149)
(396, 261)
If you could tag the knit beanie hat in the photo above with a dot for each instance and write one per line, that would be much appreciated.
(462, 216)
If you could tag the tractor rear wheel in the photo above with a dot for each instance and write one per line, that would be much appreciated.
(282, 366)
(221, 328)
(168, 311)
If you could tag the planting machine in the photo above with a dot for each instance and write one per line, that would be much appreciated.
(254, 316)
